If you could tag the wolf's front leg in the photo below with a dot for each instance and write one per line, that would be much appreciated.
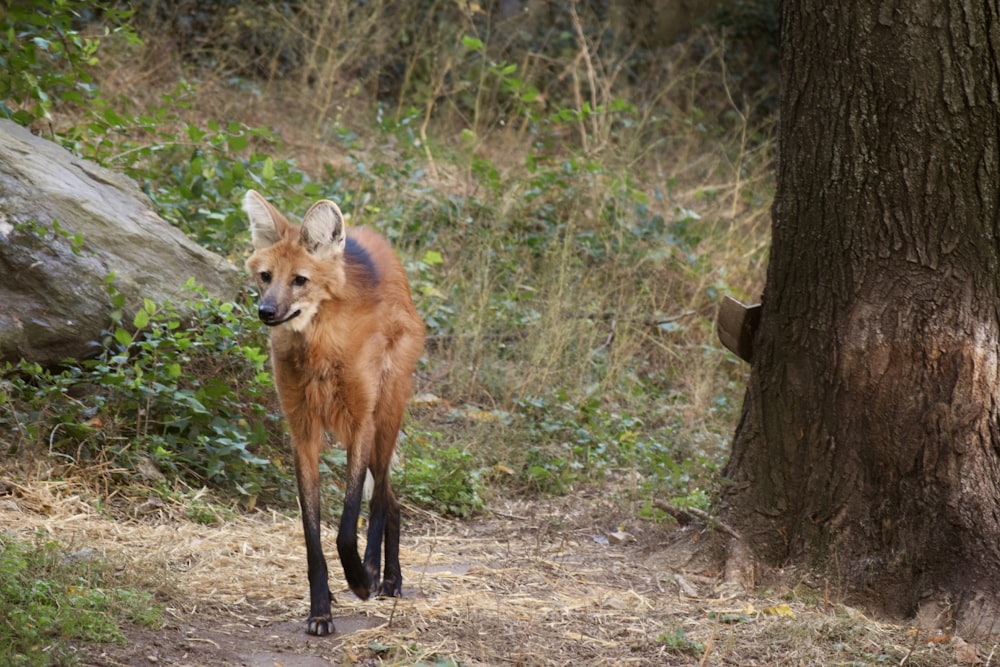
(320, 620)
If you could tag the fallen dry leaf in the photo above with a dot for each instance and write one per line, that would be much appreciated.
(966, 653)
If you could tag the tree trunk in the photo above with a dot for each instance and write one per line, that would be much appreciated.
(869, 443)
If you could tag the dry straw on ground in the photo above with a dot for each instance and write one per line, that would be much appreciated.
(533, 583)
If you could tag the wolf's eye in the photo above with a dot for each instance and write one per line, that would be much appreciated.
(265, 276)
(299, 281)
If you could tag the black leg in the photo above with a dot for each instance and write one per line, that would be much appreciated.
(320, 621)
(376, 528)
(347, 538)
(392, 582)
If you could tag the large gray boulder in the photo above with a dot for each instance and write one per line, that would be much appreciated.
(54, 303)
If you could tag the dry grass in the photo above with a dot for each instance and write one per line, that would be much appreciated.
(531, 584)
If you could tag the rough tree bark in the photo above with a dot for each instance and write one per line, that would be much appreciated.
(869, 443)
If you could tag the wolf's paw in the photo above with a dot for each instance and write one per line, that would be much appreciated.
(320, 625)
(363, 591)
(391, 589)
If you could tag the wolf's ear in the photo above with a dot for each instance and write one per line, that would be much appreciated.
(267, 226)
(323, 231)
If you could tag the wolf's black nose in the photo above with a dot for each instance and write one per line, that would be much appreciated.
(266, 313)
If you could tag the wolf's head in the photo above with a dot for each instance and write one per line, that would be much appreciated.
(295, 267)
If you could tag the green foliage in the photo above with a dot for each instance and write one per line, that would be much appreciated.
(184, 388)
(195, 175)
(442, 477)
(410, 654)
(675, 640)
(50, 600)
(438, 314)
(192, 394)
(41, 230)
(45, 56)
(581, 442)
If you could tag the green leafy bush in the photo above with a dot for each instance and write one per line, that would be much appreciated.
(183, 388)
(193, 395)
(45, 55)
(442, 477)
(581, 442)
(195, 175)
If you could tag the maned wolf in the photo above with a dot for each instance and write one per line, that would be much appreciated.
(345, 338)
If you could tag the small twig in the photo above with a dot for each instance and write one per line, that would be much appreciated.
(506, 515)
(685, 586)
(913, 646)
(743, 134)
(648, 321)
(673, 318)
(591, 76)
(52, 436)
(434, 516)
(507, 337)
(685, 515)
(205, 640)
(392, 612)
(428, 111)
(607, 341)
(709, 644)
(431, 547)
(718, 524)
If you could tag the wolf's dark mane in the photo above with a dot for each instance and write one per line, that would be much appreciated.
(358, 257)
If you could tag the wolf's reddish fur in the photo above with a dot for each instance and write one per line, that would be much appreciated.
(345, 338)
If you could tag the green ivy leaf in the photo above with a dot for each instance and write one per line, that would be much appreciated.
(123, 337)
(472, 43)
(238, 142)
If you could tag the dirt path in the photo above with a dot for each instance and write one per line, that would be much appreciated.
(528, 584)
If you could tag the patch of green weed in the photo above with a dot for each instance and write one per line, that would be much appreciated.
(410, 654)
(675, 640)
(50, 599)
(440, 476)
(582, 441)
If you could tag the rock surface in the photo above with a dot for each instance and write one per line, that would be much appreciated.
(65, 225)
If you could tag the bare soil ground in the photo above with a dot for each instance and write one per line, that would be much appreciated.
(529, 583)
